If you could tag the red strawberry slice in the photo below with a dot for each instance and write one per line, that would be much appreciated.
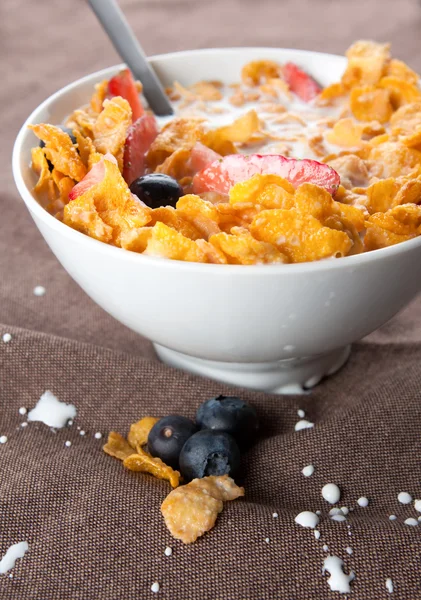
(300, 82)
(201, 156)
(222, 174)
(94, 176)
(139, 138)
(124, 85)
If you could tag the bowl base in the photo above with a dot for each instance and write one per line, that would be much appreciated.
(290, 376)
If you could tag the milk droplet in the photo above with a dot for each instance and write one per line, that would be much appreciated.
(303, 424)
(392, 517)
(363, 501)
(51, 411)
(412, 522)
(267, 540)
(13, 553)
(331, 493)
(155, 587)
(349, 550)
(301, 413)
(389, 585)
(3, 439)
(7, 338)
(98, 435)
(275, 515)
(168, 551)
(404, 498)
(344, 510)
(338, 580)
(325, 548)
(39, 290)
(417, 505)
(22, 410)
(317, 534)
(308, 471)
(68, 443)
(307, 519)
(338, 518)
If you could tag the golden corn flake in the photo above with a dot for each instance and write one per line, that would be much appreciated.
(177, 164)
(100, 94)
(346, 133)
(174, 219)
(175, 135)
(367, 63)
(398, 225)
(257, 72)
(268, 191)
(213, 254)
(207, 90)
(300, 237)
(406, 119)
(45, 185)
(136, 239)
(401, 92)
(200, 213)
(241, 248)
(352, 169)
(400, 70)
(191, 510)
(139, 432)
(117, 446)
(111, 127)
(145, 463)
(165, 242)
(369, 103)
(395, 159)
(60, 150)
(107, 209)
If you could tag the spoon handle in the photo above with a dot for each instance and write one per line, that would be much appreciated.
(115, 25)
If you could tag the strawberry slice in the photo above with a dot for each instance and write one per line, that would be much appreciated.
(201, 156)
(300, 82)
(124, 85)
(222, 174)
(139, 138)
(94, 176)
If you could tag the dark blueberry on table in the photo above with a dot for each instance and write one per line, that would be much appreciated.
(232, 415)
(209, 452)
(66, 130)
(168, 436)
(157, 189)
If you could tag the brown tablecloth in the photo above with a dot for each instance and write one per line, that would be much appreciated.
(94, 530)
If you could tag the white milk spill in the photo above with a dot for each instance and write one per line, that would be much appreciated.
(303, 424)
(331, 493)
(389, 585)
(13, 553)
(317, 534)
(338, 580)
(404, 498)
(417, 505)
(307, 519)
(363, 501)
(308, 471)
(51, 411)
(411, 521)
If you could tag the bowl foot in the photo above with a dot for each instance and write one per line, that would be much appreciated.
(291, 376)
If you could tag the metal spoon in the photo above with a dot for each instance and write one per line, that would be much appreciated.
(115, 25)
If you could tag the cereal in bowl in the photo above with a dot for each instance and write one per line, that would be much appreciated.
(271, 169)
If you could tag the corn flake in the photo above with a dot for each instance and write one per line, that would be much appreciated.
(401, 91)
(100, 94)
(241, 248)
(367, 63)
(346, 133)
(111, 127)
(60, 150)
(257, 72)
(301, 237)
(165, 242)
(117, 446)
(145, 463)
(191, 510)
(177, 134)
(369, 103)
(139, 432)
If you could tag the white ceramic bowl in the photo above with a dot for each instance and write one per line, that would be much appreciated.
(277, 328)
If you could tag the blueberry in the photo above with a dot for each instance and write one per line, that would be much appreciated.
(209, 453)
(168, 436)
(157, 189)
(232, 415)
(66, 130)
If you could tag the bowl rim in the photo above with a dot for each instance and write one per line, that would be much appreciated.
(261, 269)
